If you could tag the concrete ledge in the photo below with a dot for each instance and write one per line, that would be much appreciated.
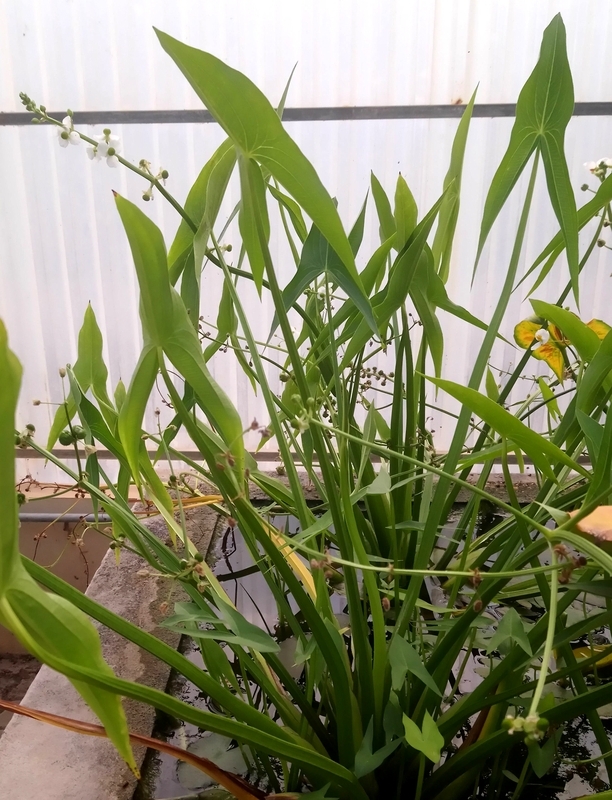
(525, 486)
(38, 760)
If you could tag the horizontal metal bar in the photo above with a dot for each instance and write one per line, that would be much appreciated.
(67, 454)
(52, 516)
(323, 114)
(195, 455)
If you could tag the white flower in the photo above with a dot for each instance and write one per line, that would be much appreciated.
(107, 146)
(599, 167)
(66, 133)
(541, 336)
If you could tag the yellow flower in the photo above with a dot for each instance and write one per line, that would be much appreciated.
(547, 343)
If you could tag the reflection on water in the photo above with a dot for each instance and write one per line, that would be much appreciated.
(164, 778)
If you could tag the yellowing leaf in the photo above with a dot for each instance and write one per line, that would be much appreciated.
(597, 524)
(553, 357)
(524, 333)
(599, 327)
(524, 336)
(588, 652)
(297, 565)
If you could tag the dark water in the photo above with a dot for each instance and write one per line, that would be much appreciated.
(166, 779)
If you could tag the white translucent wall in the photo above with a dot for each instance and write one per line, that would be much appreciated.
(62, 244)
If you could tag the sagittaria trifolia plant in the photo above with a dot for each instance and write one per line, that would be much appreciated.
(379, 709)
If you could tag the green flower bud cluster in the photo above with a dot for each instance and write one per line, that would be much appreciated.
(194, 568)
(162, 176)
(533, 727)
(68, 437)
(23, 439)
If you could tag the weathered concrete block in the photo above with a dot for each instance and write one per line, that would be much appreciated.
(38, 760)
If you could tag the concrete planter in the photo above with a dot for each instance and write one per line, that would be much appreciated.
(38, 760)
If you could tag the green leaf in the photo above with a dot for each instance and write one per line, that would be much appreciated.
(367, 761)
(596, 376)
(199, 204)
(120, 394)
(253, 125)
(241, 627)
(449, 211)
(401, 276)
(491, 386)
(427, 315)
(600, 588)
(541, 450)
(90, 368)
(371, 276)
(593, 434)
(253, 217)
(542, 758)
(90, 371)
(429, 741)
(355, 236)
(602, 449)
(218, 180)
(93, 421)
(383, 209)
(510, 628)
(167, 325)
(294, 211)
(129, 426)
(182, 348)
(405, 213)
(317, 258)
(226, 322)
(239, 631)
(45, 624)
(438, 296)
(48, 625)
(551, 401)
(381, 483)
(557, 244)
(404, 659)
(544, 108)
(10, 380)
(405, 267)
(149, 254)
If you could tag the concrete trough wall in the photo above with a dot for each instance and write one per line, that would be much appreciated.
(37, 760)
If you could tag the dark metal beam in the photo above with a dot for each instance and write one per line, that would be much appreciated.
(302, 114)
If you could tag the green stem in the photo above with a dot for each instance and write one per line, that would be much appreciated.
(419, 786)
(384, 451)
(143, 174)
(550, 634)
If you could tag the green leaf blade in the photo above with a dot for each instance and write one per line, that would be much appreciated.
(255, 128)
(149, 254)
(540, 449)
(543, 111)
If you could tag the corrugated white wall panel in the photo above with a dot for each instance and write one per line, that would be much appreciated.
(62, 244)
(71, 53)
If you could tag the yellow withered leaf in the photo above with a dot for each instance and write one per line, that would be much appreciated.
(599, 327)
(588, 652)
(597, 524)
(297, 565)
(524, 333)
(548, 351)
(551, 354)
